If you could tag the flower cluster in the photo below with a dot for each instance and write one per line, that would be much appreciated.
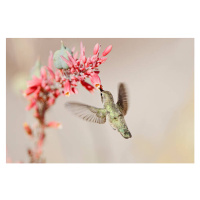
(78, 69)
(64, 71)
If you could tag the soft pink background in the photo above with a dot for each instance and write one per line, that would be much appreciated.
(159, 74)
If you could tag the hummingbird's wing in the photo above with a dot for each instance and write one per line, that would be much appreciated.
(88, 113)
(122, 102)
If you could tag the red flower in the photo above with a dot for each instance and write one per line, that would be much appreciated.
(56, 93)
(51, 101)
(67, 88)
(96, 49)
(29, 91)
(31, 105)
(35, 82)
(89, 87)
(67, 61)
(107, 50)
(54, 124)
(43, 73)
(28, 129)
(52, 75)
(75, 55)
(74, 90)
(57, 76)
(95, 80)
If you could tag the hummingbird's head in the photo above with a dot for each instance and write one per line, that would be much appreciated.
(106, 96)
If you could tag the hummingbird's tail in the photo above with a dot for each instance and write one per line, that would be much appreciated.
(126, 134)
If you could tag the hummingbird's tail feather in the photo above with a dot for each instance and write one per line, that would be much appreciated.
(127, 135)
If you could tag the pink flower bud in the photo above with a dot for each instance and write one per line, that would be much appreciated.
(44, 83)
(96, 49)
(47, 88)
(94, 58)
(72, 70)
(27, 129)
(43, 73)
(52, 75)
(97, 72)
(37, 92)
(74, 83)
(87, 86)
(82, 49)
(89, 61)
(71, 59)
(67, 88)
(82, 67)
(57, 93)
(31, 105)
(51, 101)
(74, 90)
(57, 76)
(29, 91)
(107, 50)
(67, 61)
(74, 78)
(34, 82)
(88, 72)
(54, 124)
(81, 78)
(102, 60)
(75, 55)
(95, 80)
(83, 58)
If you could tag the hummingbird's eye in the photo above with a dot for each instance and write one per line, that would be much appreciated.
(101, 97)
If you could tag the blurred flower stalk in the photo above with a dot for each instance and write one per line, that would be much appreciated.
(60, 77)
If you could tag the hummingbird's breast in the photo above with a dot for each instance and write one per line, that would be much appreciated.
(115, 117)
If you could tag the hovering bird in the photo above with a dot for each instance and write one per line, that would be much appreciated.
(113, 112)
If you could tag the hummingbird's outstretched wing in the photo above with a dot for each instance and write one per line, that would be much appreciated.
(122, 102)
(88, 113)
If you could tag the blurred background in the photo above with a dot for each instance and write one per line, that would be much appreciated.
(159, 74)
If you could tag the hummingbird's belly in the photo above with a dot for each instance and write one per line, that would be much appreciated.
(116, 122)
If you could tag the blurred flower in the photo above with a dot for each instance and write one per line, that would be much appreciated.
(28, 129)
(54, 124)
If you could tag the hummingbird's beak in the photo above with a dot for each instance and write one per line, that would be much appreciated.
(101, 88)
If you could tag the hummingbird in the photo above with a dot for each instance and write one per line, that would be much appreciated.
(113, 112)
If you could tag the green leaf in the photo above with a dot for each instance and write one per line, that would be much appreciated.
(36, 69)
(59, 63)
